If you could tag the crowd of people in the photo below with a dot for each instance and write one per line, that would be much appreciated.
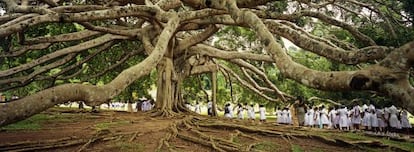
(378, 120)
(241, 109)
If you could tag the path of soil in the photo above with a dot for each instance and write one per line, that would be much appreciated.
(123, 131)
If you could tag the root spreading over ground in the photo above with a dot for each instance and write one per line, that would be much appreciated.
(72, 130)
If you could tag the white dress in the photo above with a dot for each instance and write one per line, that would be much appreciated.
(343, 118)
(394, 122)
(356, 115)
(381, 122)
(306, 122)
(197, 108)
(366, 120)
(285, 117)
(324, 117)
(404, 120)
(374, 119)
(316, 118)
(349, 118)
(231, 112)
(310, 114)
(279, 116)
(240, 113)
(228, 115)
(262, 111)
(332, 115)
(289, 117)
(250, 112)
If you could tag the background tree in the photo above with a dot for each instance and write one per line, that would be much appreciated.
(96, 50)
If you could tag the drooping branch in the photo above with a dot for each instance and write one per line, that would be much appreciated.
(23, 49)
(92, 95)
(246, 84)
(324, 18)
(242, 63)
(84, 34)
(365, 79)
(24, 79)
(190, 41)
(310, 44)
(73, 49)
(202, 49)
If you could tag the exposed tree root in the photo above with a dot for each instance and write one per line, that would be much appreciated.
(201, 131)
(59, 143)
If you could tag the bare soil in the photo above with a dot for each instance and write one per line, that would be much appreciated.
(76, 130)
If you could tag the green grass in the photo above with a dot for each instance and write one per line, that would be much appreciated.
(34, 122)
(267, 146)
(107, 125)
(296, 148)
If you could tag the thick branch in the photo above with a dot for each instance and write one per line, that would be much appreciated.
(73, 49)
(92, 95)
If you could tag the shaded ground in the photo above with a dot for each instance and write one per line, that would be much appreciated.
(72, 130)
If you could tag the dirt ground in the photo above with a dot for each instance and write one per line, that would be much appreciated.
(74, 130)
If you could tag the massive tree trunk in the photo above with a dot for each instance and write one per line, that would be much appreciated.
(107, 23)
(169, 99)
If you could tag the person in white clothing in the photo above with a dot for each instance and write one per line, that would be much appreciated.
(324, 117)
(279, 116)
(374, 120)
(386, 120)
(250, 112)
(381, 120)
(366, 119)
(262, 111)
(405, 124)
(316, 117)
(197, 108)
(227, 110)
(210, 108)
(286, 116)
(331, 117)
(240, 111)
(356, 116)
(306, 122)
(393, 120)
(144, 105)
(343, 118)
(310, 114)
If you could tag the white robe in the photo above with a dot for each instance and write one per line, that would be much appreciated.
(228, 115)
(316, 118)
(404, 120)
(343, 118)
(250, 113)
(366, 120)
(394, 122)
(279, 116)
(311, 120)
(332, 115)
(356, 115)
(262, 111)
(197, 108)
(374, 120)
(240, 113)
(381, 121)
(324, 117)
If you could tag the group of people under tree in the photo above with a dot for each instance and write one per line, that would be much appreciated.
(380, 120)
(144, 104)
(250, 111)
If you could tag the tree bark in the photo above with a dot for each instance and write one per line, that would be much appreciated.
(214, 92)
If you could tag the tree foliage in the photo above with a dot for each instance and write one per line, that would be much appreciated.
(99, 50)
